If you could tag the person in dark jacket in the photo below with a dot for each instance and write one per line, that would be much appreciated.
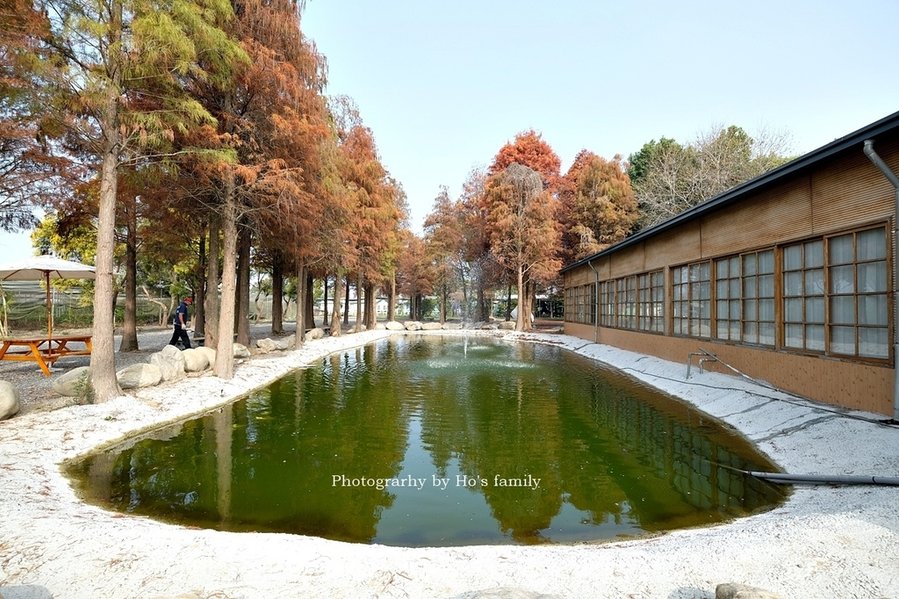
(179, 321)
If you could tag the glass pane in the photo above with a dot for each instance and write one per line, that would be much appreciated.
(840, 249)
(722, 330)
(872, 245)
(735, 330)
(750, 310)
(721, 289)
(704, 290)
(750, 332)
(793, 335)
(842, 279)
(735, 309)
(872, 309)
(750, 264)
(705, 308)
(842, 310)
(814, 254)
(793, 310)
(721, 306)
(657, 279)
(793, 257)
(814, 310)
(814, 337)
(766, 333)
(766, 310)
(842, 340)
(873, 343)
(721, 270)
(704, 271)
(735, 266)
(792, 283)
(814, 282)
(766, 286)
(734, 288)
(872, 277)
(766, 262)
(749, 285)
(678, 275)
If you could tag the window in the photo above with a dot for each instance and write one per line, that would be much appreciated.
(606, 295)
(727, 293)
(692, 300)
(803, 291)
(651, 301)
(758, 297)
(580, 303)
(626, 304)
(857, 274)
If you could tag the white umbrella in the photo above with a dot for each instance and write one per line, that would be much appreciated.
(45, 268)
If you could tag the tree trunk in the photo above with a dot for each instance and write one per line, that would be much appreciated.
(302, 291)
(224, 354)
(102, 364)
(278, 294)
(335, 313)
(359, 318)
(391, 299)
(309, 306)
(444, 298)
(371, 306)
(129, 324)
(509, 302)
(242, 303)
(325, 304)
(213, 300)
(200, 292)
(346, 302)
(519, 321)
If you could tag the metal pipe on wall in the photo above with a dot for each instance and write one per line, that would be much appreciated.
(891, 176)
(596, 301)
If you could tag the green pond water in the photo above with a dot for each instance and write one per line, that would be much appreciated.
(422, 440)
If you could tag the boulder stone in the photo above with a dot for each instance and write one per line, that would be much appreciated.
(9, 400)
(266, 345)
(240, 351)
(413, 325)
(195, 360)
(285, 343)
(313, 334)
(394, 326)
(452, 326)
(507, 325)
(431, 326)
(74, 383)
(139, 375)
(379, 326)
(209, 353)
(733, 590)
(170, 362)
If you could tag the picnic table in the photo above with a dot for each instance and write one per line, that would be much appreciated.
(45, 350)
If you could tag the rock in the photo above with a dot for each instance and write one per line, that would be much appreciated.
(9, 400)
(394, 326)
(507, 325)
(431, 326)
(489, 326)
(209, 353)
(413, 325)
(733, 590)
(313, 334)
(74, 383)
(170, 363)
(285, 342)
(195, 360)
(452, 326)
(266, 345)
(139, 375)
(240, 351)
(379, 326)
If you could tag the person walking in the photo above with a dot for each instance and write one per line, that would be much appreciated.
(180, 320)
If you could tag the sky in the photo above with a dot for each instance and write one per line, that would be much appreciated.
(444, 85)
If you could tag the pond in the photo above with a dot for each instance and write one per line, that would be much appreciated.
(437, 441)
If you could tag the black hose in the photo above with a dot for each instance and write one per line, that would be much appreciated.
(825, 479)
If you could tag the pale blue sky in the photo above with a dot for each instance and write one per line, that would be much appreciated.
(443, 85)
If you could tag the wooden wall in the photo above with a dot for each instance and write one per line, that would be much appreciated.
(842, 193)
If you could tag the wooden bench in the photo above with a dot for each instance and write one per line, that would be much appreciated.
(45, 350)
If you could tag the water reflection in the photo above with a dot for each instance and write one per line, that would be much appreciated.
(458, 421)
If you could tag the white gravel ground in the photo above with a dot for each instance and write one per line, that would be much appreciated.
(824, 542)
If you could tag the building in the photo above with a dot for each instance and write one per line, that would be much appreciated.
(790, 277)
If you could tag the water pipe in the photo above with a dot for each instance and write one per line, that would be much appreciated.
(891, 176)
(824, 479)
(596, 300)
